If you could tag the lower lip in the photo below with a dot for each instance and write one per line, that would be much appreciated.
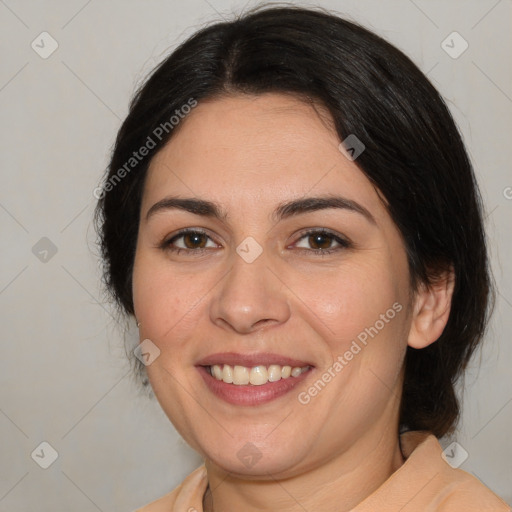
(250, 394)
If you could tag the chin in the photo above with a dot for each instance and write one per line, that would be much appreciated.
(256, 460)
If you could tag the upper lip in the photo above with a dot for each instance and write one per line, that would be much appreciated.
(250, 360)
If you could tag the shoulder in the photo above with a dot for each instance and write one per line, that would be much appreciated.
(449, 488)
(188, 495)
(462, 491)
(163, 504)
(466, 493)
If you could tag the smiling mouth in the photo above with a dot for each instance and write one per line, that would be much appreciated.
(255, 375)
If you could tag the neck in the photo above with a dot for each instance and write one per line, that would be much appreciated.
(337, 485)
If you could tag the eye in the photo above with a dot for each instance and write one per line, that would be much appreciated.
(320, 241)
(188, 240)
(195, 241)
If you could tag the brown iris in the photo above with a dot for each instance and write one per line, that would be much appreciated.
(194, 238)
(316, 240)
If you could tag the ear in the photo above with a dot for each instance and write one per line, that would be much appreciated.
(431, 310)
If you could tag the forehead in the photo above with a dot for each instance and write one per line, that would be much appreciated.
(255, 147)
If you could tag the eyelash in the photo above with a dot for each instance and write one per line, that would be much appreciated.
(343, 243)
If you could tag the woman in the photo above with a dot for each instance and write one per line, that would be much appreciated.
(291, 217)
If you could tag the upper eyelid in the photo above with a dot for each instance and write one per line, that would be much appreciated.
(324, 231)
(186, 231)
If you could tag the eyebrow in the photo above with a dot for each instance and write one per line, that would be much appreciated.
(283, 211)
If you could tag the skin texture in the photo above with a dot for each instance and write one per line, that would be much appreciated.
(249, 154)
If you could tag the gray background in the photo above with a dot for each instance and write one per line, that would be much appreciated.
(64, 377)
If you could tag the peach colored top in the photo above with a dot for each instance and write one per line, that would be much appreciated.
(424, 483)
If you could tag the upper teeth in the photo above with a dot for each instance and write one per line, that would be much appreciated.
(257, 375)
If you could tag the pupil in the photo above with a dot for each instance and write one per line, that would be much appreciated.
(318, 241)
(194, 237)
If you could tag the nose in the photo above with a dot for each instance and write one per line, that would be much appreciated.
(249, 297)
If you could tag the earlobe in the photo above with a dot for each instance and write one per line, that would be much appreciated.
(431, 310)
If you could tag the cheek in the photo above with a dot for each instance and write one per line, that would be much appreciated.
(164, 304)
(164, 300)
(350, 298)
(361, 312)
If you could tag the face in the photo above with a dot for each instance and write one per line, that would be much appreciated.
(292, 265)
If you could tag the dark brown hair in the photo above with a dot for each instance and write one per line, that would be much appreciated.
(414, 156)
